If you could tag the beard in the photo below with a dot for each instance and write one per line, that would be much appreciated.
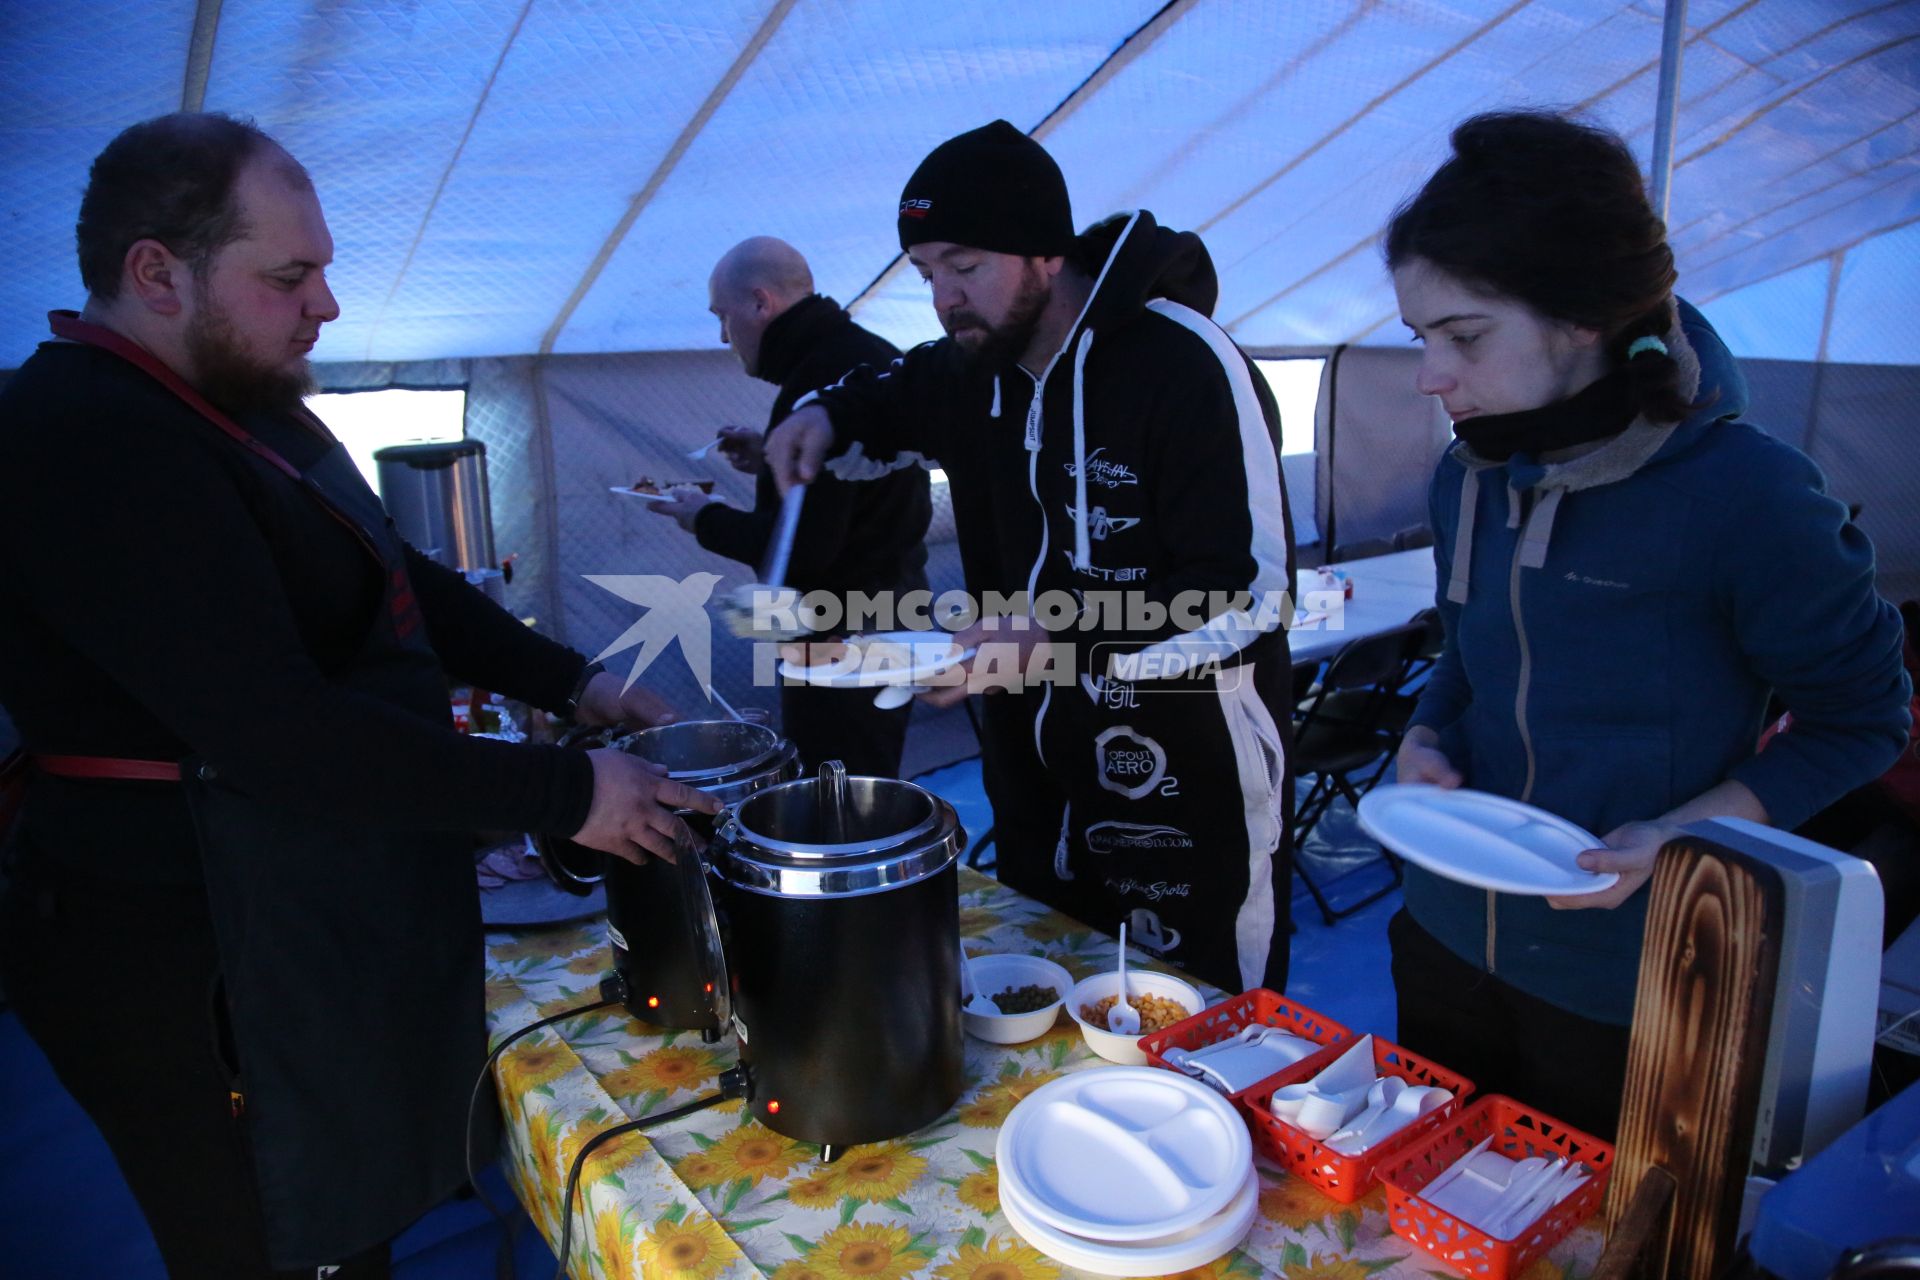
(1003, 343)
(226, 373)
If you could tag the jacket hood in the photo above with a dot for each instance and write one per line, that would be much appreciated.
(1134, 260)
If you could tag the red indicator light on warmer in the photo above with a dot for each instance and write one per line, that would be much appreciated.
(773, 1106)
(709, 988)
(653, 1002)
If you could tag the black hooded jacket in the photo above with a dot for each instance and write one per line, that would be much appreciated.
(1148, 465)
(851, 537)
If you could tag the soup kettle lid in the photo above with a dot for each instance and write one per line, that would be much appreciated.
(836, 836)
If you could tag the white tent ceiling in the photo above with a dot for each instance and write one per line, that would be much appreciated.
(519, 176)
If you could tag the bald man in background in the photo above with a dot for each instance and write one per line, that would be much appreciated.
(868, 537)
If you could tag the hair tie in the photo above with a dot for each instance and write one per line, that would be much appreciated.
(1648, 343)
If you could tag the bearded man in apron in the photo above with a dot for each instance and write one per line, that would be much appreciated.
(243, 921)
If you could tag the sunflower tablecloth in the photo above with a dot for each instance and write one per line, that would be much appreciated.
(716, 1196)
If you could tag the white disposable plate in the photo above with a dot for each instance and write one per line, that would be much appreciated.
(883, 658)
(644, 497)
(1194, 1247)
(1124, 1153)
(1480, 839)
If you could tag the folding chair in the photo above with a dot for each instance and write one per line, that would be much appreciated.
(1345, 735)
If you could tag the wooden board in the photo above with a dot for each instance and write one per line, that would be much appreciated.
(1705, 996)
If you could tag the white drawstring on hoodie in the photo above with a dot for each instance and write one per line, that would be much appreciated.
(1082, 549)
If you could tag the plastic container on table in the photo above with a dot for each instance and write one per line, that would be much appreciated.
(1258, 1007)
(1518, 1132)
(1346, 1178)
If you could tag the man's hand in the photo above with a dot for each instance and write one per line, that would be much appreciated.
(633, 808)
(683, 505)
(605, 702)
(1421, 760)
(797, 447)
(1630, 850)
(744, 448)
(1003, 649)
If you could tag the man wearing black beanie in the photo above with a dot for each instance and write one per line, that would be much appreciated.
(1121, 518)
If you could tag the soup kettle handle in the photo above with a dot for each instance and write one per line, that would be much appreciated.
(830, 796)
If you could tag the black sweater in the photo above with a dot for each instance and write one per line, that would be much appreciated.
(164, 593)
(852, 537)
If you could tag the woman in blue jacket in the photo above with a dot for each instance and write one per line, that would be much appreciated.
(1627, 572)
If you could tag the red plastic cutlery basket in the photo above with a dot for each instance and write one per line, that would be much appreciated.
(1227, 1019)
(1517, 1134)
(1347, 1178)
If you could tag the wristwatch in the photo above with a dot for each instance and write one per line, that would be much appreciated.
(571, 707)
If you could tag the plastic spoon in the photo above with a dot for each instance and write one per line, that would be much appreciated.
(978, 1002)
(1123, 1019)
(896, 695)
(1383, 1093)
(1409, 1104)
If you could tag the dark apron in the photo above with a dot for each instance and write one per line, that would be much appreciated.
(352, 956)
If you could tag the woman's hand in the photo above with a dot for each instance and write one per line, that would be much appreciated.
(1630, 852)
(1632, 848)
(1421, 760)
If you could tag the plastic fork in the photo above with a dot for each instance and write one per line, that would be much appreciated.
(1455, 1169)
(1123, 1019)
(704, 450)
(1517, 1198)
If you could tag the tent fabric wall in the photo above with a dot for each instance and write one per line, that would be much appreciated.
(1861, 433)
(1378, 440)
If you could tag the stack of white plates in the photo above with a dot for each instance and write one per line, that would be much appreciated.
(1127, 1171)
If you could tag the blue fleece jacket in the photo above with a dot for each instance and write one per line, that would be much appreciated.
(1615, 624)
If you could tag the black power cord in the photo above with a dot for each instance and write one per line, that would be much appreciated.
(733, 1083)
(613, 990)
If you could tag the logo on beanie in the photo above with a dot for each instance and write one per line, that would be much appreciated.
(915, 208)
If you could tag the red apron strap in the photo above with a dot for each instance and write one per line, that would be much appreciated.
(107, 767)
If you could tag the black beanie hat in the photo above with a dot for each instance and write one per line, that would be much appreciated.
(991, 188)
